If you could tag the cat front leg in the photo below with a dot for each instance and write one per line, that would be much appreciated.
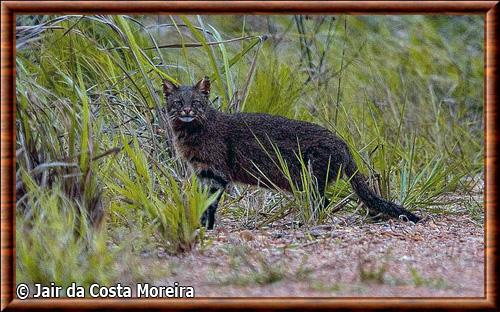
(216, 182)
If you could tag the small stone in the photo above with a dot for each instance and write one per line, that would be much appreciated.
(406, 258)
(162, 254)
(246, 235)
(319, 231)
(277, 234)
(299, 235)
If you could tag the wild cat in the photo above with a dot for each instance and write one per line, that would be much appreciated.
(224, 148)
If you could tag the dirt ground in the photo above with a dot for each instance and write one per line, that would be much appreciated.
(443, 256)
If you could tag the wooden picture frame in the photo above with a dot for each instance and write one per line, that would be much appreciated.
(489, 9)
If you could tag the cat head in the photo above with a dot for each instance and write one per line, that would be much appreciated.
(187, 104)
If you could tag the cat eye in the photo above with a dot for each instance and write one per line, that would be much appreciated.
(196, 102)
(176, 102)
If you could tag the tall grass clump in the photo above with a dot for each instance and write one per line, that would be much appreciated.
(55, 244)
(59, 209)
(276, 89)
(174, 208)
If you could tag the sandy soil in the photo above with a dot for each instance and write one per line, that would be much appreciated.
(443, 256)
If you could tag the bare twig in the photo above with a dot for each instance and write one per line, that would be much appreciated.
(195, 44)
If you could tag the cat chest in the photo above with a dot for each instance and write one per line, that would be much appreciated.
(196, 155)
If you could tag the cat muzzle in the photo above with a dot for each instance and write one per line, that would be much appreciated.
(186, 115)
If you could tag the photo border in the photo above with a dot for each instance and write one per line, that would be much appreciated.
(489, 9)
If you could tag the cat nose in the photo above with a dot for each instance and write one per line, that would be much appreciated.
(187, 111)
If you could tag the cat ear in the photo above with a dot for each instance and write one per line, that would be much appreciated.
(168, 88)
(204, 86)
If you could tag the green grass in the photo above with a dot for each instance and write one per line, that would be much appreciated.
(419, 281)
(95, 165)
(173, 208)
(54, 244)
(250, 267)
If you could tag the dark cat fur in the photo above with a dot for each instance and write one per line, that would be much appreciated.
(227, 148)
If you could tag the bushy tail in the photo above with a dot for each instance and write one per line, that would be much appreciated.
(374, 202)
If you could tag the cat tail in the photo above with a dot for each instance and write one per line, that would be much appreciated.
(374, 202)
